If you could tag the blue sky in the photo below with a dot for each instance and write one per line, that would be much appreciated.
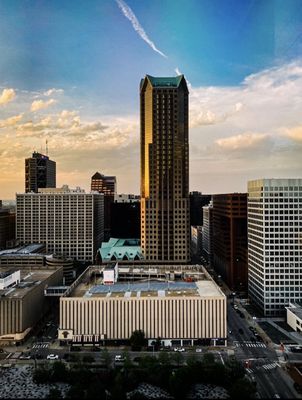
(82, 61)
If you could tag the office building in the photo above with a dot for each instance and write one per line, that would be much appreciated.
(165, 216)
(22, 301)
(69, 222)
(230, 238)
(188, 309)
(7, 226)
(33, 256)
(274, 243)
(40, 172)
(207, 233)
(107, 186)
(125, 217)
(197, 201)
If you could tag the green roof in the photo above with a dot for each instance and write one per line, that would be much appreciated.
(164, 82)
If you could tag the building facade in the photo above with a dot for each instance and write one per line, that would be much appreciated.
(274, 243)
(230, 238)
(107, 186)
(7, 226)
(24, 304)
(165, 217)
(40, 172)
(207, 233)
(179, 310)
(197, 201)
(125, 217)
(69, 222)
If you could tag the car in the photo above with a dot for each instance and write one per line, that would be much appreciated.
(252, 329)
(235, 307)
(230, 331)
(119, 358)
(240, 331)
(181, 349)
(52, 357)
(198, 350)
(25, 357)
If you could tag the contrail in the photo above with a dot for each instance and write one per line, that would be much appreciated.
(137, 26)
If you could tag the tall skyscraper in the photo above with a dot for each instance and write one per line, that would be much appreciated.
(165, 216)
(69, 222)
(40, 172)
(107, 186)
(274, 243)
(230, 238)
(197, 201)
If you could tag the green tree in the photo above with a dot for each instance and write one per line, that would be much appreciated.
(137, 340)
(54, 394)
(106, 358)
(177, 357)
(234, 370)
(88, 359)
(42, 375)
(59, 372)
(164, 358)
(242, 389)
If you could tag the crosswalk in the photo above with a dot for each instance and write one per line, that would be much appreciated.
(249, 344)
(271, 366)
(267, 367)
(43, 345)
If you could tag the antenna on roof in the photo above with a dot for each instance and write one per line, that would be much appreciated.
(46, 147)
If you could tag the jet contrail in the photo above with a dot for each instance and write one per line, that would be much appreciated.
(137, 26)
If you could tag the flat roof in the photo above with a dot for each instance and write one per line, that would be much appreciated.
(91, 286)
(29, 280)
(23, 250)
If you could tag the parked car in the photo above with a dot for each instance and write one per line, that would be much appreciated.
(198, 350)
(52, 357)
(119, 358)
(25, 357)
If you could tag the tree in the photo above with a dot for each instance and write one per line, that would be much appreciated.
(54, 394)
(137, 340)
(106, 358)
(242, 389)
(59, 372)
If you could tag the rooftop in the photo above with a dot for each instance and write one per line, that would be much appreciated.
(33, 248)
(90, 285)
(29, 280)
(165, 81)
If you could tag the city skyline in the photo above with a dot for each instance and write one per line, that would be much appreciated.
(64, 81)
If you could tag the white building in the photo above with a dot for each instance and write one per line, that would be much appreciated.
(181, 309)
(69, 222)
(207, 232)
(294, 316)
(274, 243)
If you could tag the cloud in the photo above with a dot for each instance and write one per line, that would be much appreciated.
(6, 96)
(126, 10)
(244, 141)
(41, 104)
(294, 133)
(11, 121)
(53, 91)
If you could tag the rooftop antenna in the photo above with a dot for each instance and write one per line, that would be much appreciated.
(46, 147)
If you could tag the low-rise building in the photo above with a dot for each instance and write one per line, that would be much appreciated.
(22, 303)
(181, 303)
(294, 316)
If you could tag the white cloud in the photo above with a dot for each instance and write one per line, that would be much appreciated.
(41, 104)
(11, 121)
(242, 141)
(53, 91)
(129, 14)
(7, 95)
(294, 133)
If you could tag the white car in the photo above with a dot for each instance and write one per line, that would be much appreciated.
(198, 350)
(119, 358)
(52, 357)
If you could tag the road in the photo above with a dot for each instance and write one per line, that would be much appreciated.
(262, 361)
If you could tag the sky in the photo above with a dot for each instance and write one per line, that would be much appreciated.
(70, 74)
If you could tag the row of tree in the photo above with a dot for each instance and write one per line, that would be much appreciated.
(167, 371)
